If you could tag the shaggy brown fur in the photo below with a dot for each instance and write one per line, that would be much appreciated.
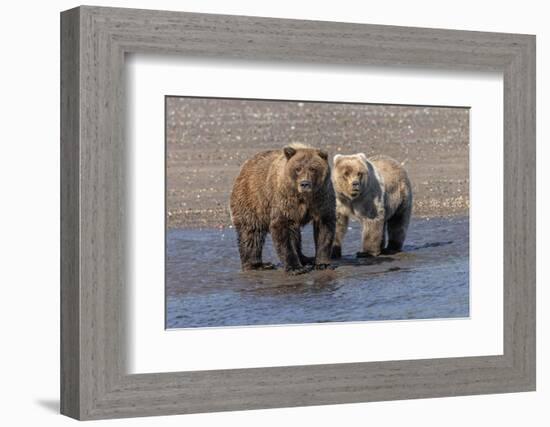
(279, 191)
(377, 192)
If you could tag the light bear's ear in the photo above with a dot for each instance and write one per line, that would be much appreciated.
(363, 157)
(289, 151)
(337, 158)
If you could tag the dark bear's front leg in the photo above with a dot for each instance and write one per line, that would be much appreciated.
(286, 239)
(323, 232)
(251, 242)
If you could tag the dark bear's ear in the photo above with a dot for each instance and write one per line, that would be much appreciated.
(289, 152)
(323, 155)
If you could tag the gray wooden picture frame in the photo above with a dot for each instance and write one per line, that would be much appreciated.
(94, 381)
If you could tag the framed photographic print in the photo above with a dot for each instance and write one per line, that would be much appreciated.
(261, 213)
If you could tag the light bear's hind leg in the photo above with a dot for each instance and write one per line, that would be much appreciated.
(397, 230)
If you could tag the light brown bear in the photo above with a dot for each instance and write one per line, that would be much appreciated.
(377, 192)
(280, 191)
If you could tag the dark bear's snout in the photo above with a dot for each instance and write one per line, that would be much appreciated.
(306, 185)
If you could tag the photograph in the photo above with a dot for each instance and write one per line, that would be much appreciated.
(286, 212)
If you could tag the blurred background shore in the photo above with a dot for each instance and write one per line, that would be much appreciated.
(209, 139)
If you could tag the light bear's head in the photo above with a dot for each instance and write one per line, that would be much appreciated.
(350, 174)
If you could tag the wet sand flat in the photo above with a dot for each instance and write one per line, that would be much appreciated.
(430, 279)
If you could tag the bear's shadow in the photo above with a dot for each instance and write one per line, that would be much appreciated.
(360, 261)
(278, 283)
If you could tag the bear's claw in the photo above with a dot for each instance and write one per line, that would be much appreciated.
(259, 266)
(324, 266)
(307, 260)
(299, 270)
(267, 266)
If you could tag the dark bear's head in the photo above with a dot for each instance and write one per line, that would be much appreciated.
(306, 168)
(351, 174)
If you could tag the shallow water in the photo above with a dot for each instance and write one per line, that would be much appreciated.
(430, 279)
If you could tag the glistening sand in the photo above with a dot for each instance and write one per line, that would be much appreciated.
(209, 139)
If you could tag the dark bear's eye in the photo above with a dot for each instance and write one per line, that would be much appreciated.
(298, 169)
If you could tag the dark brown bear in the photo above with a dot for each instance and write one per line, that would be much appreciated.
(280, 191)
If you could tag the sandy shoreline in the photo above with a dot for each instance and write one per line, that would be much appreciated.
(209, 139)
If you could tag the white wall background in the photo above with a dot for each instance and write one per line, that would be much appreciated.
(29, 241)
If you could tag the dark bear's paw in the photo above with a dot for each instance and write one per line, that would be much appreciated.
(307, 260)
(336, 252)
(259, 266)
(366, 255)
(266, 266)
(299, 270)
(324, 266)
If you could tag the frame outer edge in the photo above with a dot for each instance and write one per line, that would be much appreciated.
(70, 396)
(89, 353)
(527, 78)
(532, 137)
(520, 223)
